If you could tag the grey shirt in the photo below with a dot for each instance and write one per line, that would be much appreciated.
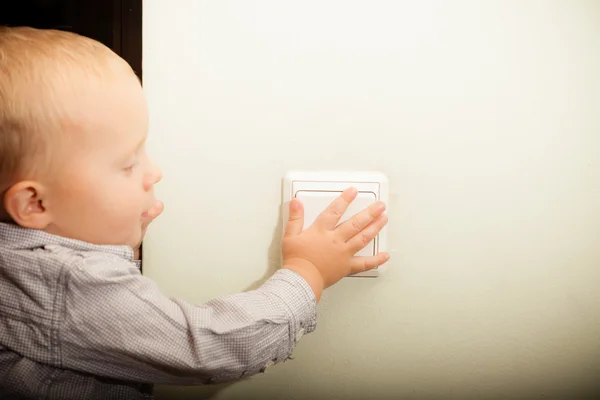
(80, 321)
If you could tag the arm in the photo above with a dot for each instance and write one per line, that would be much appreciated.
(118, 324)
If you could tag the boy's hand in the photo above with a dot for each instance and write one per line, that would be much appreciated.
(148, 217)
(323, 253)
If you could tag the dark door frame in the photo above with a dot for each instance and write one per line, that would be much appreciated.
(127, 32)
(116, 23)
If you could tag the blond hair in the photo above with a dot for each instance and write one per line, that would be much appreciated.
(38, 72)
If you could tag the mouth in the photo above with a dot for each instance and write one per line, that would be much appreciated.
(152, 212)
(146, 214)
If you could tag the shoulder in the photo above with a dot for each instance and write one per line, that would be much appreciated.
(101, 263)
(96, 260)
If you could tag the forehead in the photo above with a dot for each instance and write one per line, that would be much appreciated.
(107, 110)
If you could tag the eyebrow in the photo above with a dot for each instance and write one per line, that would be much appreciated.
(136, 149)
(141, 142)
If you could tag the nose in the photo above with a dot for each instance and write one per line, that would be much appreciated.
(153, 177)
(156, 174)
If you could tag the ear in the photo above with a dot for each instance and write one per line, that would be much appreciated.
(24, 203)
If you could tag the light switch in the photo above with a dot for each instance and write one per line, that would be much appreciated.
(316, 201)
(317, 189)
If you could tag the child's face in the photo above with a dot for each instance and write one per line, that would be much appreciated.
(105, 184)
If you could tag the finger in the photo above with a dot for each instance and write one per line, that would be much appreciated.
(357, 223)
(360, 240)
(362, 264)
(296, 219)
(330, 217)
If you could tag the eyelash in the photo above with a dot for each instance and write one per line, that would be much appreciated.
(130, 168)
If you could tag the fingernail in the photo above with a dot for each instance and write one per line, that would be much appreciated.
(387, 257)
(381, 205)
(353, 191)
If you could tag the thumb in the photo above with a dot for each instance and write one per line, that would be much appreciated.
(296, 219)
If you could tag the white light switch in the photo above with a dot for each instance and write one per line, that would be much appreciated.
(316, 190)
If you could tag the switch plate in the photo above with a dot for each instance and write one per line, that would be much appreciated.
(317, 189)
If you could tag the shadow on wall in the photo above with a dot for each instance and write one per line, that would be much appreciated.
(274, 255)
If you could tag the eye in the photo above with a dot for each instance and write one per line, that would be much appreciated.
(130, 168)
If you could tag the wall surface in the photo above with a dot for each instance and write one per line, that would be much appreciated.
(485, 115)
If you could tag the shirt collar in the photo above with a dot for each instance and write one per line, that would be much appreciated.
(18, 238)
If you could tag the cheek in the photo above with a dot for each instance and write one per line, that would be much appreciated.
(125, 201)
(115, 201)
(97, 206)
(73, 195)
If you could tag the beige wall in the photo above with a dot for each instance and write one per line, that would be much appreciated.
(485, 115)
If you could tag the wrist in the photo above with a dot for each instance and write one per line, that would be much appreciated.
(309, 272)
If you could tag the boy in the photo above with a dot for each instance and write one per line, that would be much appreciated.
(77, 319)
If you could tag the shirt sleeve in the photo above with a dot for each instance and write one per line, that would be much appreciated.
(118, 324)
